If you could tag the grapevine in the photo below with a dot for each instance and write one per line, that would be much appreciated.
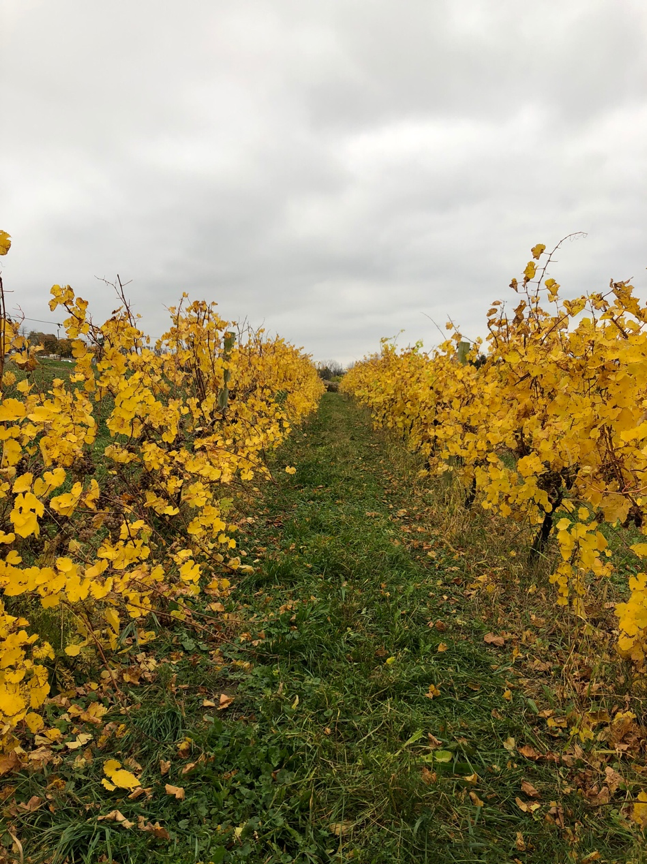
(113, 531)
(545, 422)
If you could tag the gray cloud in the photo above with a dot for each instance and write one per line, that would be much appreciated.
(334, 170)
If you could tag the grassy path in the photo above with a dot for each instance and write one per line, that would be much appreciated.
(332, 749)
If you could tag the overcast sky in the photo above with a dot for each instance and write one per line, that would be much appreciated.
(334, 169)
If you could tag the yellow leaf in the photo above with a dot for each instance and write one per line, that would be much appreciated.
(5, 242)
(11, 703)
(73, 650)
(34, 721)
(639, 811)
(112, 618)
(11, 409)
(441, 648)
(108, 785)
(537, 250)
(290, 470)
(111, 766)
(23, 483)
(124, 779)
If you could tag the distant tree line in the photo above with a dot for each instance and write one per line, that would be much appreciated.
(330, 370)
(51, 343)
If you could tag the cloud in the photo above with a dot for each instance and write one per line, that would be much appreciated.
(335, 171)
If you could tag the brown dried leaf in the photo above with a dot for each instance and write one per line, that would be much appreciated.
(116, 816)
(177, 791)
(613, 779)
(492, 639)
(527, 807)
(156, 830)
(529, 789)
(529, 752)
(137, 793)
(225, 701)
(9, 763)
(32, 805)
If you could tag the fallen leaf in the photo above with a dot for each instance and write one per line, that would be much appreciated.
(184, 747)
(433, 691)
(139, 791)
(639, 810)
(208, 703)
(443, 756)
(492, 639)
(156, 830)
(520, 843)
(510, 745)
(526, 807)
(225, 701)
(598, 798)
(119, 777)
(612, 779)
(9, 763)
(428, 776)
(116, 816)
(340, 829)
(507, 695)
(32, 805)
(164, 766)
(80, 741)
(529, 789)
(442, 648)
(592, 856)
(476, 801)
(529, 752)
(177, 791)
(433, 741)
(73, 650)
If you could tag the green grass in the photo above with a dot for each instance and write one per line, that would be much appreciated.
(324, 754)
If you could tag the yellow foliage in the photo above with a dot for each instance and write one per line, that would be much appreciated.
(546, 423)
(188, 416)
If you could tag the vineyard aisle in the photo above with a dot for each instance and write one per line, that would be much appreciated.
(369, 720)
